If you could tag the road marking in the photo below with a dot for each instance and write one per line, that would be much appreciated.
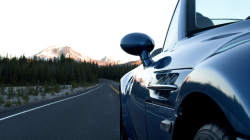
(49, 104)
(114, 89)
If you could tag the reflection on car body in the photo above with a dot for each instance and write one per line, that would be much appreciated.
(197, 86)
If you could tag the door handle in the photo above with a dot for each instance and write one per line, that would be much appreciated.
(166, 125)
(162, 87)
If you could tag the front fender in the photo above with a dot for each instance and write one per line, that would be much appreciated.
(124, 93)
(225, 79)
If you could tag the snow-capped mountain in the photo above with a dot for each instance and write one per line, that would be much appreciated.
(57, 51)
(120, 62)
(109, 59)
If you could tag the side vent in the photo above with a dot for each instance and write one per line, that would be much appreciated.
(168, 79)
(131, 80)
(129, 85)
(164, 85)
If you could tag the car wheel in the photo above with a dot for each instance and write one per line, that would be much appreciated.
(216, 130)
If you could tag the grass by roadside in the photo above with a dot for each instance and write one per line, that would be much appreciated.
(14, 96)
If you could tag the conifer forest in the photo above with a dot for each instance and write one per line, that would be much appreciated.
(22, 71)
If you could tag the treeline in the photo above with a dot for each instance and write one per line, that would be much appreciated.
(115, 72)
(21, 71)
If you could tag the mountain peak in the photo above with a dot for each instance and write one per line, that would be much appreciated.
(56, 51)
(107, 59)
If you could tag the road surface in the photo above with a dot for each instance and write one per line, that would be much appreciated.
(92, 114)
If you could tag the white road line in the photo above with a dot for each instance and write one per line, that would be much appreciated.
(48, 104)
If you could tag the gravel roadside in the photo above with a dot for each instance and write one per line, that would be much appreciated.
(49, 97)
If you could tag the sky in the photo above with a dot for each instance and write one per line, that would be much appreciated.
(91, 27)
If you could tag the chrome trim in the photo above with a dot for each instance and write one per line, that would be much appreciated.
(162, 87)
(160, 106)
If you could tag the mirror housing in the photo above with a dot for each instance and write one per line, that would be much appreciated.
(138, 44)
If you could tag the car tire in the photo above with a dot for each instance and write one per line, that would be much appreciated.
(216, 130)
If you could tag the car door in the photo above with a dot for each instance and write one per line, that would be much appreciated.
(152, 107)
(146, 107)
(160, 101)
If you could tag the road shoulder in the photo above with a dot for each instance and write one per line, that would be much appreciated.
(6, 109)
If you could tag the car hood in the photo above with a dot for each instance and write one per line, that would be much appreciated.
(191, 51)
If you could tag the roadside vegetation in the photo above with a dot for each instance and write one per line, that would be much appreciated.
(115, 72)
(12, 96)
(24, 80)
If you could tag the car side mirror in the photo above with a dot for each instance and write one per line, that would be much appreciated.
(138, 44)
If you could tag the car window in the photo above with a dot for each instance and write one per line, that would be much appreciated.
(211, 13)
(223, 11)
(172, 34)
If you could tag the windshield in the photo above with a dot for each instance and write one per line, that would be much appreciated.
(212, 13)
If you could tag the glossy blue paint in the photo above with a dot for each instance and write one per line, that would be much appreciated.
(154, 115)
(191, 51)
(125, 105)
(138, 44)
(224, 78)
(213, 62)
(182, 20)
(161, 107)
(137, 101)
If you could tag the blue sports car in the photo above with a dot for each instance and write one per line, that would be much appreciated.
(197, 86)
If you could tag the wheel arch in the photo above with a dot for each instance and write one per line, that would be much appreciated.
(223, 82)
(194, 106)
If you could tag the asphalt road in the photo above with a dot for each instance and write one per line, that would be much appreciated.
(92, 114)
